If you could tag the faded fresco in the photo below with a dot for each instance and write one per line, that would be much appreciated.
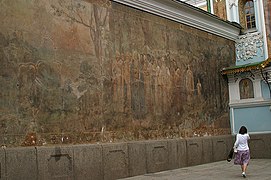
(267, 12)
(246, 89)
(220, 9)
(95, 71)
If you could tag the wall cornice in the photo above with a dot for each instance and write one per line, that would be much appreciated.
(188, 15)
(250, 103)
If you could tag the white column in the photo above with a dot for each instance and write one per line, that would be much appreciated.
(233, 90)
(212, 6)
(261, 24)
(232, 10)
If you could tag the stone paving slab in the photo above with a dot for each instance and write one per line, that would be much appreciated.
(257, 169)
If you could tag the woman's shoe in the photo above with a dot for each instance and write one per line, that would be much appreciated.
(244, 175)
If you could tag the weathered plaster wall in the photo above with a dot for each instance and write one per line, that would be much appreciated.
(95, 71)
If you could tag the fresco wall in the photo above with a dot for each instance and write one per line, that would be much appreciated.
(267, 13)
(96, 71)
(220, 9)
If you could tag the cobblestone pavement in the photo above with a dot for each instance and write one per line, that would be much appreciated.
(259, 169)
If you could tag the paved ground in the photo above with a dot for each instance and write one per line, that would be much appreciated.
(259, 169)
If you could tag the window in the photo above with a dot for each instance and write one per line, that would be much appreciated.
(250, 15)
(246, 89)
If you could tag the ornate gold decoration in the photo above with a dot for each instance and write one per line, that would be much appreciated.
(247, 67)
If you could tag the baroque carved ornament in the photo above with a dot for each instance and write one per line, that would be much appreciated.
(247, 46)
(232, 3)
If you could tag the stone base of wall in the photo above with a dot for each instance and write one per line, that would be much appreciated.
(119, 160)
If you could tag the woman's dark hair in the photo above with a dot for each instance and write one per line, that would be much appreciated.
(243, 130)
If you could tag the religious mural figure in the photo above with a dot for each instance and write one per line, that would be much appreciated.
(158, 87)
(199, 88)
(246, 89)
(152, 70)
(28, 84)
(141, 89)
(126, 82)
(189, 84)
(117, 82)
(176, 89)
(163, 85)
(177, 76)
(137, 86)
(148, 83)
(220, 9)
(168, 87)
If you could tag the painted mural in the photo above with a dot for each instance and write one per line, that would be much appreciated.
(96, 71)
(220, 9)
(267, 11)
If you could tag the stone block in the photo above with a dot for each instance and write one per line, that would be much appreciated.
(182, 153)
(2, 164)
(115, 161)
(137, 158)
(157, 156)
(221, 147)
(173, 154)
(55, 162)
(21, 163)
(207, 150)
(260, 145)
(194, 151)
(87, 162)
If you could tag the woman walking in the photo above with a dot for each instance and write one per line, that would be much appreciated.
(241, 148)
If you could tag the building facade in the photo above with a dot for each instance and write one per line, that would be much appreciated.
(249, 79)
